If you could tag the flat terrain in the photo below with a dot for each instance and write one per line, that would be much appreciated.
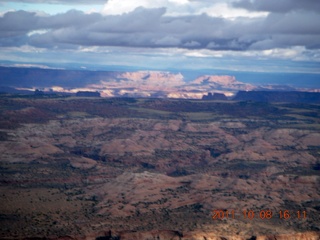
(124, 168)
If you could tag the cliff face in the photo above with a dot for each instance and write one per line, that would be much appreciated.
(169, 85)
(222, 82)
(158, 84)
(155, 84)
(153, 78)
(215, 96)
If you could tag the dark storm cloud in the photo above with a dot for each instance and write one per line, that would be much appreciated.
(17, 23)
(153, 29)
(72, 18)
(278, 5)
(293, 23)
(21, 22)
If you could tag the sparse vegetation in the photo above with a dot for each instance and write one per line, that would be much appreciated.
(77, 167)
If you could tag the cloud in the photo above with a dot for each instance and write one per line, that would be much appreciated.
(192, 44)
(118, 7)
(293, 23)
(225, 10)
(216, 8)
(278, 5)
(17, 23)
(167, 41)
(69, 2)
(153, 28)
(288, 30)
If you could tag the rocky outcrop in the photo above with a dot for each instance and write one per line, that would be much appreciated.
(222, 82)
(153, 84)
(293, 236)
(153, 78)
(194, 235)
(215, 96)
(158, 172)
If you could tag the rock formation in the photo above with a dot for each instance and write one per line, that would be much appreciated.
(215, 96)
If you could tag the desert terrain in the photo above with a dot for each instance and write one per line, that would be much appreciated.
(135, 168)
(146, 84)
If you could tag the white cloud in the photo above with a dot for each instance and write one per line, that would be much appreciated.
(37, 32)
(22, 49)
(197, 54)
(93, 49)
(290, 53)
(173, 7)
(297, 53)
(118, 7)
(224, 10)
(216, 8)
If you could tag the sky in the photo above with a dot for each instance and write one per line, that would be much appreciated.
(237, 35)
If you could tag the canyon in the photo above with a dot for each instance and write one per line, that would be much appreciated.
(140, 168)
(149, 84)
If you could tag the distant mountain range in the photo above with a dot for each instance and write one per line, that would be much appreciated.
(156, 84)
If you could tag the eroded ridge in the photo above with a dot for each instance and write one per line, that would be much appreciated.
(158, 169)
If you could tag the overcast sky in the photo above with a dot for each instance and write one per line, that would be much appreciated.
(249, 35)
